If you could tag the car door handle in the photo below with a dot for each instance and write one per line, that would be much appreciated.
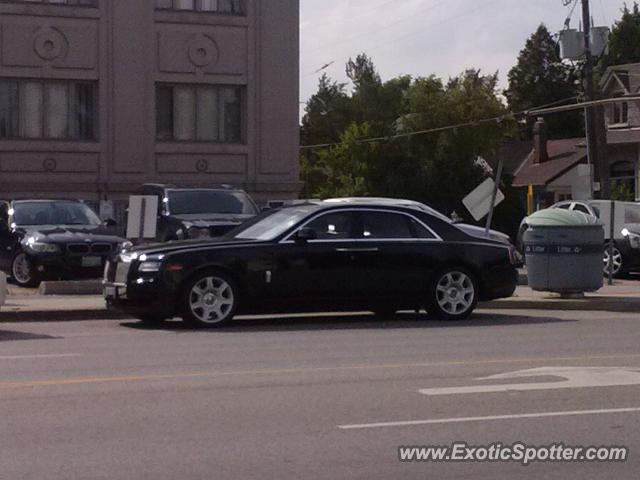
(356, 250)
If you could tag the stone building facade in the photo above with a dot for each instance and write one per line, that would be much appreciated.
(100, 96)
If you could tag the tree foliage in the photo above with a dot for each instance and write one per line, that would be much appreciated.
(438, 168)
(540, 78)
(624, 41)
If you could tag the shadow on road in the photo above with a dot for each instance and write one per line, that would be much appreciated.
(6, 336)
(350, 322)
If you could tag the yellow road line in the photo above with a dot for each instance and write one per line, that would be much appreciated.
(288, 371)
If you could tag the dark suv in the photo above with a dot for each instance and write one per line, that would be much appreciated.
(185, 213)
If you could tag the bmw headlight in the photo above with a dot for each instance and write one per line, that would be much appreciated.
(195, 232)
(42, 247)
(634, 238)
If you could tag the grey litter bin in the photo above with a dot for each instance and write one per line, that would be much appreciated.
(563, 251)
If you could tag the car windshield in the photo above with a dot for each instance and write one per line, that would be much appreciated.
(54, 213)
(275, 223)
(184, 202)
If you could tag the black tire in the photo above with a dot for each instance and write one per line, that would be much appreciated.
(453, 294)
(209, 300)
(22, 271)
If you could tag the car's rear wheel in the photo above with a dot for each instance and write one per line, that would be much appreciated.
(618, 264)
(210, 300)
(22, 271)
(453, 295)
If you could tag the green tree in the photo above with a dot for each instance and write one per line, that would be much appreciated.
(539, 78)
(343, 169)
(624, 41)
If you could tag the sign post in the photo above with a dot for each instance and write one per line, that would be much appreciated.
(143, 217)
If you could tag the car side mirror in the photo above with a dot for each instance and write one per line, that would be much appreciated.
(110, 222)
(305, 234)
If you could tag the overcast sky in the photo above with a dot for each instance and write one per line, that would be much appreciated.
(423, 37)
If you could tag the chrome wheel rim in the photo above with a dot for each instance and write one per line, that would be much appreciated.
(455, 293)
(617, 261)
(21, 270)
(211, 300)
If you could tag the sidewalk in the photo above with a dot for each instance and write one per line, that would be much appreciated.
(27, 305)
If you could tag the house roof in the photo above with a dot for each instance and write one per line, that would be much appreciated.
(563, 156)
(511, 152)
(620, 74)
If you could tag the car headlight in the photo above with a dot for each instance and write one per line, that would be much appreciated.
(195, 232)
(40, 247)
(125, 245)
(149, 266)
(634, 238)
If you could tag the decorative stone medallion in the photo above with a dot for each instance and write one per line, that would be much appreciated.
(202, 165)
(49, 164)
(50, 44)
(203, 51)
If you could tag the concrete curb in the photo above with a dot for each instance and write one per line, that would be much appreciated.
(76, 287)
(60, 315)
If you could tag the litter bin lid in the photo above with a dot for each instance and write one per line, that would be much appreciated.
(558, 217)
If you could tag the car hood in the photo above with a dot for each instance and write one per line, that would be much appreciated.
(182, 245)
(480, 232)
(211, 219)
(69, 234)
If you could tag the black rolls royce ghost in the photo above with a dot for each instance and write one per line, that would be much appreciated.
(53, 239)
(381, 255)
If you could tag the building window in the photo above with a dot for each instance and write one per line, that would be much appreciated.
(52, 110)
(620, 113)
(84, 3)
(234, 7)
(207, 113)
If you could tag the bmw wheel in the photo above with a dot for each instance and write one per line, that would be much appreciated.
(210, 300)
(453, 295)
(22, 271)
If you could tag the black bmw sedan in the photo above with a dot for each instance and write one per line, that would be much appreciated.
(381, 255)
(42, 239)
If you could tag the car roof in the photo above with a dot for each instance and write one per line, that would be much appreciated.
(48, 200)
(386, 202)
(371, 202)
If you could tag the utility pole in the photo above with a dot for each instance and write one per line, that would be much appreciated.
(594, 116)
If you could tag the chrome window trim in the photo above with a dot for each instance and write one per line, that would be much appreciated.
(436, 237)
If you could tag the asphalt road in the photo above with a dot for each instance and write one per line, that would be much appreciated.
(315, 397)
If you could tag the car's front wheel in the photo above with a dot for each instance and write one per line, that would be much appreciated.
(210, 300)
(617, 262)
(453, 295)
(22, 271)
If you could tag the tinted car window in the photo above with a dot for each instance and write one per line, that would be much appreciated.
(581, 208)
(382, 225)
(209, 201)
(274, 223)
(54, 213)
(564, 206)
(333, 226)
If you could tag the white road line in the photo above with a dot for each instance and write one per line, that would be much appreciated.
(28, 357)
(438, 421)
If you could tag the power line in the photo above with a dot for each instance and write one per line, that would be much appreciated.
(472, 123)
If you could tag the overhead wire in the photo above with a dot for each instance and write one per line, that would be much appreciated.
(470, 123)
